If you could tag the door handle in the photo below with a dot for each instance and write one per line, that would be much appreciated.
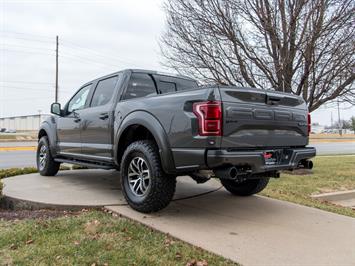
(103, 116)
(76, 117)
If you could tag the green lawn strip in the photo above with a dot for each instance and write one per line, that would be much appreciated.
(329, 174)
(16, 171)
(26, 170)
(93, 237)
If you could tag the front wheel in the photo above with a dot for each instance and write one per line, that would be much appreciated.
(45, 162)
(144, 184)
(245, 188)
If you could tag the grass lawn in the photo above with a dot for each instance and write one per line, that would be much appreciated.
(94, 238)
(333, 173)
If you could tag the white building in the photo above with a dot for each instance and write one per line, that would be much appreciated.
(23, 123)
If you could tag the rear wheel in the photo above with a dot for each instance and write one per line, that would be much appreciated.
(245, 188)
(45, 162)
(144, 184)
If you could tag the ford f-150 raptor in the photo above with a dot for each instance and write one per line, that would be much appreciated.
(153, 127)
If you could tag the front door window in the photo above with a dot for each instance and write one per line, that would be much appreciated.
(79, 100)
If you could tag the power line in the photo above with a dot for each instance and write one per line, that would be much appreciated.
(86, 60)
(29, 99)
(27, 47)
(25, 82)
(98, 54)
(70, 45)
(24, 51)
(28, 34)
(28, 39)
(30, 89)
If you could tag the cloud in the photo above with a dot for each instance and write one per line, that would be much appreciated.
(96, 38)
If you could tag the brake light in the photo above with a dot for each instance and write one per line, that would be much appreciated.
(309, 123)
(209, 115)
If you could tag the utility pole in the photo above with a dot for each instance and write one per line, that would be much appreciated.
(331, 120)
(56, 70)
(339, 123)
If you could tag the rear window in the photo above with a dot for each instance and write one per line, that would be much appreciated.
(168, 84)
(140, 85)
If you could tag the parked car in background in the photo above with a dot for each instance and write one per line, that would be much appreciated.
(153, 127)
(10, 131)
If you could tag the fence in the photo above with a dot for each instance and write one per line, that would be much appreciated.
(23, 123)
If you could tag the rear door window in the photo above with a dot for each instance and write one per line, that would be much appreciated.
(140, 85)
(104, 91)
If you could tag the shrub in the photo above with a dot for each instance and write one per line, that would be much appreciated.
(16, 171)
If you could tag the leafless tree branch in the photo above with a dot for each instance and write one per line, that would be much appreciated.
(305, 47)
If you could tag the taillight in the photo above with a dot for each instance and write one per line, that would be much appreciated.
(209, 116)
(309, 123)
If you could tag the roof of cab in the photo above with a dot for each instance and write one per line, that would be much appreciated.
(159, 73)
(142, 71)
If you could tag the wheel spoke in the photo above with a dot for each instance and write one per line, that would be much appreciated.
(135, 165)
(134, 171)
(133, 181)
(145, 172)
(144, 185)
(138, 176)
(136, 187)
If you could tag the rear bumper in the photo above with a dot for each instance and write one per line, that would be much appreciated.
(288, 159)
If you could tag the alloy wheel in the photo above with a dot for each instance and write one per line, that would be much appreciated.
(42, 157)
(139, 178)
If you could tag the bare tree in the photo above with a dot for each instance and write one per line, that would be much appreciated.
(304, 47)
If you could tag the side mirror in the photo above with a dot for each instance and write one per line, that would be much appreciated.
(55, 109)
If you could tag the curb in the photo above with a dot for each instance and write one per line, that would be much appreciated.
(11, 203)
(336, 196)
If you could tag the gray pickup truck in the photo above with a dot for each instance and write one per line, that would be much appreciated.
(153, 127)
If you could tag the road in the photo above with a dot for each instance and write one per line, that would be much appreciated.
(10, 159)
(334, 148)
(23, 158)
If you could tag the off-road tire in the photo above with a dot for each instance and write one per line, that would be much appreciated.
(51, 167)
(245, 188)
(162, 186)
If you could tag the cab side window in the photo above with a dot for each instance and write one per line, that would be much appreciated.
(104, 91)
(140, 85)
(168, 84)
(79, 100)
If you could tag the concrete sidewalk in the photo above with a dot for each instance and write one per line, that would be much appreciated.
(256, 230)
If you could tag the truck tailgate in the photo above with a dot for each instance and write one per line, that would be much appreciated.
(262, 119)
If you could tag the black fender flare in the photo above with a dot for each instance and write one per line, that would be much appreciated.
(147, 120)
(49, 126)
